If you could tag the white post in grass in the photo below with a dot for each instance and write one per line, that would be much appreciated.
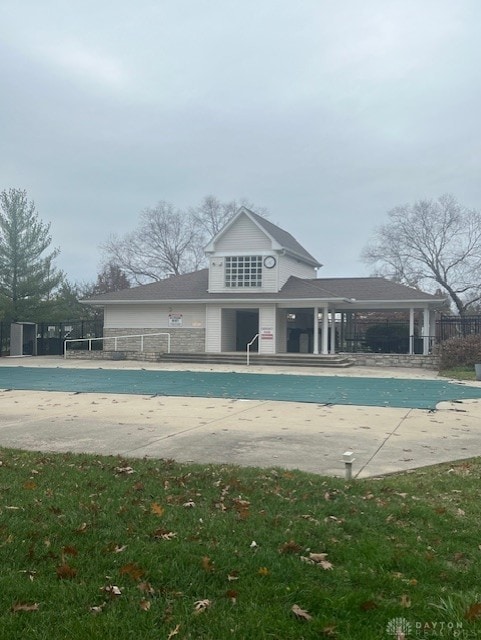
(348, 458)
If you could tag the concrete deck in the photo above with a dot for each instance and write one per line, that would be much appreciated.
(305, 436)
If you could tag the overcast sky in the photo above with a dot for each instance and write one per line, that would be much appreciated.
(326, 112)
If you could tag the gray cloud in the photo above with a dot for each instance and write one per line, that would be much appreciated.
(328, 114)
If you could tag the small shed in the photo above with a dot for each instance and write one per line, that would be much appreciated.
(23, 339)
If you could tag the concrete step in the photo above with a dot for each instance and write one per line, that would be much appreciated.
(279, 360)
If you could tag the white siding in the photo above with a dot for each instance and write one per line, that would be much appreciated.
(281, 331)
(290, 267)
(213, 317)
(228, 338)
(216, 274)
(154, 316)
(243, 236)
(267, 328)
(270, 279)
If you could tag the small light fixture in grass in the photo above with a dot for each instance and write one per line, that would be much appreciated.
(348, 458)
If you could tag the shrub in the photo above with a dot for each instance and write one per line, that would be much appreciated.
(387, 338)
(462, 351)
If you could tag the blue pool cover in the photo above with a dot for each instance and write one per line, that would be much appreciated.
(378, 392)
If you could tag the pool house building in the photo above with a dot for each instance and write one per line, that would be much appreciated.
(260, 288)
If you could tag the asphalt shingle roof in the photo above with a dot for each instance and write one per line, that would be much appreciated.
(193, 287)
(282, 237)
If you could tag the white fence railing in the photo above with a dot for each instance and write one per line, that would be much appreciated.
(249, 344)
(116, 340)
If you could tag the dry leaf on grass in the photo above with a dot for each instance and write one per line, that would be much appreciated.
(146, 587)
(25, 606)
(156, 509)
(174, 632)
(98, 609)
(145, 605)
(290, 547)
(318, 559)
(474, 612)
(301, 614)
(112, 590)
(201, 605)
(207, 564)
(405, 601)
(133, 570)
(66, 572)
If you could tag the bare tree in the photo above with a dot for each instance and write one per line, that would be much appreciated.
(166, 241)
(212, 214)
(170, 241)
(431, 244)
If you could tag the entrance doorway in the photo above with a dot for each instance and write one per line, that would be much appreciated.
(247, 326)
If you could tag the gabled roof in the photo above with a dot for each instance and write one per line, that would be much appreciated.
(282, 238)
(193, 287)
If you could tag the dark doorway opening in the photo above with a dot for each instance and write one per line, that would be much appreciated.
(247, 326)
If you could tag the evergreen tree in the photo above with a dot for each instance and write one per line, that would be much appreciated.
(27, 273)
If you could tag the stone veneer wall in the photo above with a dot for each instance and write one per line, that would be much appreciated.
(181, 340)
(394, 360)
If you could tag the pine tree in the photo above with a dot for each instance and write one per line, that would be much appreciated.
(27, 273)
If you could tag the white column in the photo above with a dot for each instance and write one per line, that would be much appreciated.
(333, 331)
(426, 325)
(411, 331)
(316, 331)
(325, 331)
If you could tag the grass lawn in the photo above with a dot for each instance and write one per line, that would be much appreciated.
(459, 373)
(107, 548)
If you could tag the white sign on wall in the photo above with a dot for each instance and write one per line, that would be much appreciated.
(267, 333)
(175, 320)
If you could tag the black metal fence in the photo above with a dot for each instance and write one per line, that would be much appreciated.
(458, 326)
(51, 335)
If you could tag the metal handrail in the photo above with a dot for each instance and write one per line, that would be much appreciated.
(116, 338)
(249, 347)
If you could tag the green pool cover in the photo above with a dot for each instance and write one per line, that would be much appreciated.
(378, 392)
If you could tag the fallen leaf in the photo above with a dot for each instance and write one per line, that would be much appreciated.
(233, 575)
(318, 559)
(369, 605)
(290, 547)
(145, 605)
(232, 595)
(405, 601)
(82, 528)
(124, 470)
(253, 545)
(300, 613)
(263, 571)
(24, 606)
(98, 609)
(189, 504)
(201, 605)
(112, 590)
(174, 632)
(207, 564)
(474, 612)
(66, 572)
(29, 485)
(156, 509)
(133, 570)
(329, 631)
(70, 551)
(146, 587)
